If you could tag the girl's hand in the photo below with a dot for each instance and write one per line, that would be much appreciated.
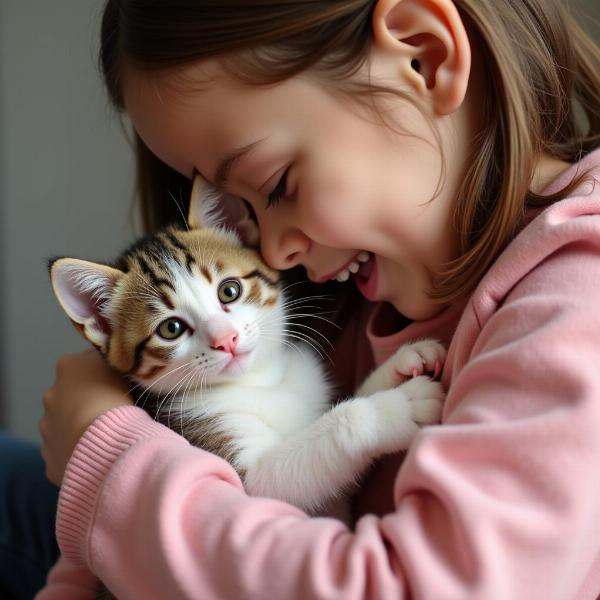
(85, 388)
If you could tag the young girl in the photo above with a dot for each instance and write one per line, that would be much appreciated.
(452, 141)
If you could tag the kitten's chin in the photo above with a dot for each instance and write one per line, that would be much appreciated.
(237, 365)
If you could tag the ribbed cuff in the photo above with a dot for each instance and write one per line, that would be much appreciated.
(100, 446)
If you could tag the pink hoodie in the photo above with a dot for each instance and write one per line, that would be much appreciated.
(500, 502)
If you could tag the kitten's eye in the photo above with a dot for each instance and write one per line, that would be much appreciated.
(171, 329)
(229, 291)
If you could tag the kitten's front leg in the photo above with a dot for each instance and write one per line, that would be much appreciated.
(320, 461)
(410, 360)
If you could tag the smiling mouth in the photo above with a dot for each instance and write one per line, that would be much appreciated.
(355, 266)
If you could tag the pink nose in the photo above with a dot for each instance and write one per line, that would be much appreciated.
(225, 343)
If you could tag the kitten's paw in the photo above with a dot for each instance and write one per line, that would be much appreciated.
(417, 358)
(426, 399)
(404, 410)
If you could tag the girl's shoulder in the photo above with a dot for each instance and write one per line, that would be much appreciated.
(536, 265)
(539, 300)
(571, 225)
(545, 280)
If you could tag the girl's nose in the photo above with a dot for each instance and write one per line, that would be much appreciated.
(284, 249)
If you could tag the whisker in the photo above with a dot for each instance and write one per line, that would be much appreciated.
(286, 318)
(181, 396)
(303, 326)
(202, 376)
(157, 380)
(189, 367)
(310, 342)
(179, 209)
(286, 301)
(287, 343)
(174, 391)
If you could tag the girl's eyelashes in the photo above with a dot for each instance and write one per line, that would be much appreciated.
(279, 192)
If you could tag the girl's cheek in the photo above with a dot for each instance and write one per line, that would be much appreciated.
(331, 220)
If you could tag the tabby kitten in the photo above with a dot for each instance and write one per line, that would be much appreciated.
(198, 322)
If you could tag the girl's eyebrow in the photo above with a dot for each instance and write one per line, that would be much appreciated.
(225, 166)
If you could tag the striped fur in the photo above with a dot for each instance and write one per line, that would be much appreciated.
(162, 276)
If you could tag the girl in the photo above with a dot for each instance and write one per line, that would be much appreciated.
(452, 141)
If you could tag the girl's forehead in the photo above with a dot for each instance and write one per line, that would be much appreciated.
(189, 117)
(184, 113)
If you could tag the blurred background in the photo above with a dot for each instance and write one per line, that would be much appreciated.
(65, 186)
(66, 183)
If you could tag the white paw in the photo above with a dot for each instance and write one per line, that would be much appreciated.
(417, 358)
(404, 410)
(426, 399)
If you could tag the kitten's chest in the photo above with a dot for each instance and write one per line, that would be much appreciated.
(280, 408)
(284, 400)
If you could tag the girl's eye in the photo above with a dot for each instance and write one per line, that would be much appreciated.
(171, 329)
(229, 291)
(279, 192)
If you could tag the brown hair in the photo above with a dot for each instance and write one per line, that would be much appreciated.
(542, 91)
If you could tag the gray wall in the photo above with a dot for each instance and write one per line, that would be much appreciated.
(65, 184)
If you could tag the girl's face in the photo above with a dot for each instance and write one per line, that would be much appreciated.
(326, 179)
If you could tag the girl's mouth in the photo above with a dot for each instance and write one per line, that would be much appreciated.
(366, 278)
(352, 267)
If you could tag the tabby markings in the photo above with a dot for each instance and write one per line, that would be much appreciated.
(137, 355)
(206, 273)
(189, 259)
(157, 282)
(260, 275)
(152, 372)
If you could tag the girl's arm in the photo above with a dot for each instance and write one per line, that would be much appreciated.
(503, 501)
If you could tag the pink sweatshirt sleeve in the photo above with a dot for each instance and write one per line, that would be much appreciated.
(69, 581)
(502, 501)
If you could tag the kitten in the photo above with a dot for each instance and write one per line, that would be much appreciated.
(199, 322)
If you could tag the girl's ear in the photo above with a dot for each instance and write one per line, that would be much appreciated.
(425, 43)
(82, 289)
(211, 208)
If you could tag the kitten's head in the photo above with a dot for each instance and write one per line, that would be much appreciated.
(180, 307)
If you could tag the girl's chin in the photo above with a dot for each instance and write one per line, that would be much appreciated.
(385, 282)
(417, 310)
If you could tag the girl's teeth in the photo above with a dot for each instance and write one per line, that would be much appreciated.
(353, 267)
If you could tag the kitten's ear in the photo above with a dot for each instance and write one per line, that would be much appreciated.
(211, 208)
(82, 289)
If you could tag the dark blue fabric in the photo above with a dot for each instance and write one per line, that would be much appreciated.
(27, 514)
